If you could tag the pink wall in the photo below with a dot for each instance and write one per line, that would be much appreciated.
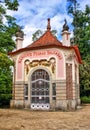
(41, 54)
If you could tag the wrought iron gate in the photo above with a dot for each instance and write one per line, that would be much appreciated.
(40, 89)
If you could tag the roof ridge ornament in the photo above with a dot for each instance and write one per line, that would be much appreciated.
(19, 33)
(48, 25)
(65, 26)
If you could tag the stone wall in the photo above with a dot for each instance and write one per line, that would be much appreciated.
(18, 98)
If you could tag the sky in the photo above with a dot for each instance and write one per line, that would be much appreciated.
(33, 15)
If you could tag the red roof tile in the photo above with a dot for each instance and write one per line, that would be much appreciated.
(46, 39)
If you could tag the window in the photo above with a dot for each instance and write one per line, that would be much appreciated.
(40, 74)
(54, 91)
(26, 91)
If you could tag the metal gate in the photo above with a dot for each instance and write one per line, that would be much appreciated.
(40, 89)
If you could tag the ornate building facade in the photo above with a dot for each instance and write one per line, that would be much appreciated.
(46, 73)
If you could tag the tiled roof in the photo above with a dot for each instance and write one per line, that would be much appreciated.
(47, 40)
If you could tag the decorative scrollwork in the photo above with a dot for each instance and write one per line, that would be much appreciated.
(51, 63)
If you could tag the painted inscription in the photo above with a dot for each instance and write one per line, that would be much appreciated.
(39, 53)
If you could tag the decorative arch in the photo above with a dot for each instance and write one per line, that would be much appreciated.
(37, 68)
(40, 88)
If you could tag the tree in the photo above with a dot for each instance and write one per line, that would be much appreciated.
(7, 44)
(82, 31)
(36, 35)
(5, 79)
(81, 24)
(85, 77)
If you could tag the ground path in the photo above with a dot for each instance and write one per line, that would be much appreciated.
(11, 119)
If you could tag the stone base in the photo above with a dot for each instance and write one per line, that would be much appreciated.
(78, 102)
(12, 103)
(66, 105)
(27, 105)
(17, 104)
(52, 105)
(71, 104)
(61, 105)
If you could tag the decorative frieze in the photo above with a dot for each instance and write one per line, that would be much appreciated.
(51, 63)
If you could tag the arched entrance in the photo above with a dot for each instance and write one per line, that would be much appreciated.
(40, 89)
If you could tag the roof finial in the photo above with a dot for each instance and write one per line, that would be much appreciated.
(65, 26)
(19, 33)
(48, 25)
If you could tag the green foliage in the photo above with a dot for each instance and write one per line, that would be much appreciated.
(6, 42)
(82, 32)
(85, 76)
(36, 35)
(5, 79)
(85, 99)
(72, 6)
(7, 31)
(81, 24)
(11, 4)
(54, 32)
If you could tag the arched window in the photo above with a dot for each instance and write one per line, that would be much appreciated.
(40, 74)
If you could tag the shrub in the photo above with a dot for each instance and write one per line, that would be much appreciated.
(85, 99)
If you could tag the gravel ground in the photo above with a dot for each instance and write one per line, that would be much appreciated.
(12, 119)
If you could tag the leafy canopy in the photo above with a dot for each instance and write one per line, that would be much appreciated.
(7, 31)
(81, 24)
